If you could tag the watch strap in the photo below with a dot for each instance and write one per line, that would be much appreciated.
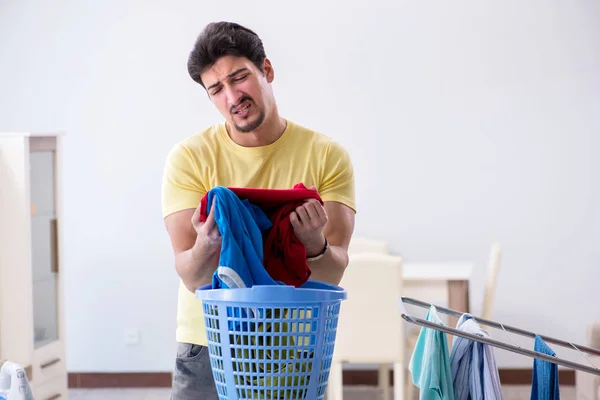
(320, 255)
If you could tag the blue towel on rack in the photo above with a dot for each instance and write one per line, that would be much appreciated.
(473, 364)
(240, 224)
(430, 363)
(545, 374)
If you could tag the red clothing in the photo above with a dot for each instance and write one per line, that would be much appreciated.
(284, 254)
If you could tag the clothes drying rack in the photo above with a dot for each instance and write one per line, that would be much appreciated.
(496, 343)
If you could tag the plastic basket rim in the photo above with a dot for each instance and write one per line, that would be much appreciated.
(312, 291)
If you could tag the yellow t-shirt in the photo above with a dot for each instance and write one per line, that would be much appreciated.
(210, 158)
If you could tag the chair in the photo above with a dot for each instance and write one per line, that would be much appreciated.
(365, 245)
(370, 329)
(490, 283)
(494, 262)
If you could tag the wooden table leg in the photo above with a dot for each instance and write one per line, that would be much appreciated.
(458, 300)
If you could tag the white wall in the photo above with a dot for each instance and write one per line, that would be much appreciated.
(466, 121)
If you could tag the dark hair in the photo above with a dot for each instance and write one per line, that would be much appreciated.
(219, 39)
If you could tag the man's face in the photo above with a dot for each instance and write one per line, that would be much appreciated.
(240, 91)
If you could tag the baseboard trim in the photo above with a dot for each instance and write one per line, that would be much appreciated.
(566, 377)
(508, 376)
(119, 379)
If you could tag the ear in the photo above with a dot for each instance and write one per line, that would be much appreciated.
(268, 68)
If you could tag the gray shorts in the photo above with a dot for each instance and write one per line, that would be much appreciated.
(193, 378)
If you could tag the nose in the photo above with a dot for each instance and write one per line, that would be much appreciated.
(233, 95)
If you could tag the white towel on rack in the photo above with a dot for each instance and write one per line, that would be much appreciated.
(473, 364)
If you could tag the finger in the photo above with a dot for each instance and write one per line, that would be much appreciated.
(303, 215)
(313, 187)
(316, 211)
(294, 220)
(321, 210)
(211, 228)
(312, 211)
(210, 220)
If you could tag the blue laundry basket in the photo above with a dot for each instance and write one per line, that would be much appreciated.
(271, 342)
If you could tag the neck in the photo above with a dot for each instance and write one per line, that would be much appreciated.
(270, 130)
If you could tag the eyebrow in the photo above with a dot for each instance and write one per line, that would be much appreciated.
(231, 75)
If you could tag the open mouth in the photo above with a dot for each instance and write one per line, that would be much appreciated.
(243, 110)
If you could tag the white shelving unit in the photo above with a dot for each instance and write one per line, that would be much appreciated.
(31, 286)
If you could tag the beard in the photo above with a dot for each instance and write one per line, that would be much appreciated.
(250, 126)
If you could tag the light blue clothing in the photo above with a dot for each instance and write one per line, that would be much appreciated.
(430, 363)
(240, 224)
(545, 374)
(474, 371)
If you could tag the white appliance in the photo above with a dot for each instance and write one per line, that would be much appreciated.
(13, 382)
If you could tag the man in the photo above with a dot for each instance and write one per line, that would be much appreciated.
(253, 147)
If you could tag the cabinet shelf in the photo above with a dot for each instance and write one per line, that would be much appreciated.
(43, 342)
(37, 216)
(44, 279)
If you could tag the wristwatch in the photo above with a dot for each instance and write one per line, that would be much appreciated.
(320, 255)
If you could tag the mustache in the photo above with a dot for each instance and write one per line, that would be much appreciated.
(243, 99)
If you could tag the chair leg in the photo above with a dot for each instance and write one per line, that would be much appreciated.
(399, 383)
(410, 387)
(335, 387)
(384, 381)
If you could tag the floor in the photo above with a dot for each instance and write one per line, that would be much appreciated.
(350, 393)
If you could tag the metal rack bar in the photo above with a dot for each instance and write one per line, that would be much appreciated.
(496, 343)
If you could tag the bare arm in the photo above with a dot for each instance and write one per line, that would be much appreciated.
(338, 231)
(196, 247)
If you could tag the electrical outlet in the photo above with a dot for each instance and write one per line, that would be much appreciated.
(132, 336)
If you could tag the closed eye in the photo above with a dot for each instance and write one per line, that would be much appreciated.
(236, 79)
